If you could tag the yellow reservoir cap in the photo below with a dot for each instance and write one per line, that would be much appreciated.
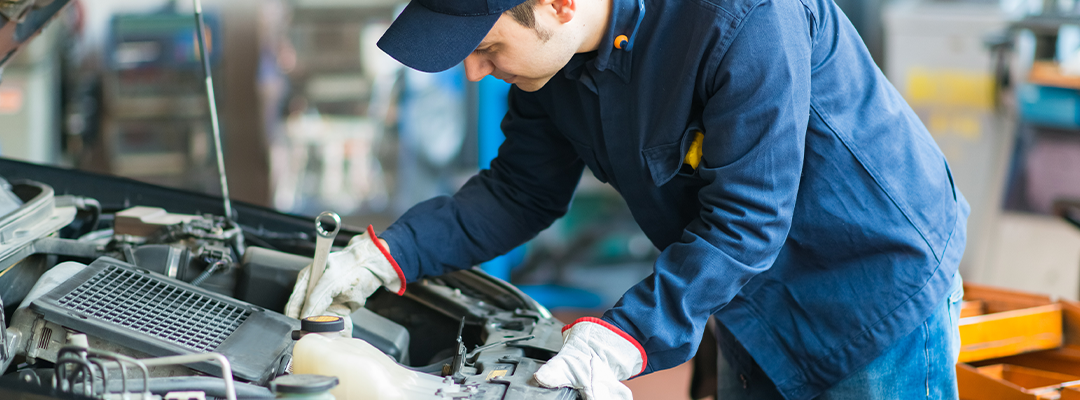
(322, 323)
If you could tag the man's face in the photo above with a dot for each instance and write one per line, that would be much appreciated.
(522, 56)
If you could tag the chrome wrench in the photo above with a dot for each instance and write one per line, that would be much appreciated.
(323, 242)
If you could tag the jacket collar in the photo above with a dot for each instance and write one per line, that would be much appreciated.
(624, 14)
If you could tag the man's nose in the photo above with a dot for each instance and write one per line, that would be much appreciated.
(477, 67)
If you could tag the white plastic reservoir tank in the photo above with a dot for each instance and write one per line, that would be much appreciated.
(363, 372)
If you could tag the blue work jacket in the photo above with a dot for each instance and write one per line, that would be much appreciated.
(820, 226)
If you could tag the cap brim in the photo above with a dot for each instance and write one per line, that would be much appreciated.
(431, 42)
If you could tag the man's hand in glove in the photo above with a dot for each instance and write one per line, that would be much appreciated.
(351, 275)
(595, 357)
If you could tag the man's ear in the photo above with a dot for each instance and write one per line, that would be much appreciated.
(562, 10)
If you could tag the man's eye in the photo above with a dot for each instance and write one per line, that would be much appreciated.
(482, 51)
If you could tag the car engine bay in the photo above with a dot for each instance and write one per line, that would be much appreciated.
(113, 287)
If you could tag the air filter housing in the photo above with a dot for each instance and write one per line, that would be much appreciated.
(160, 316)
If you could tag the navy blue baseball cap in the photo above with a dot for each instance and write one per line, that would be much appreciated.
(434, 35)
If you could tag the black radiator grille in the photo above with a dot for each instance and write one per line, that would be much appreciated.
(156, 308)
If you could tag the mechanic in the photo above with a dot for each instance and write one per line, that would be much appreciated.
(794, 194)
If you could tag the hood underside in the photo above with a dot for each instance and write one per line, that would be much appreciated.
(22, 20)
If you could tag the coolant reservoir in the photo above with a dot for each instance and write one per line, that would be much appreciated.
(364, 372)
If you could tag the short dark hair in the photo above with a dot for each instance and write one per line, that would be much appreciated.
(525, 13)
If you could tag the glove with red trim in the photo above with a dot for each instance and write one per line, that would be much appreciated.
(595, 357)
(351, 275)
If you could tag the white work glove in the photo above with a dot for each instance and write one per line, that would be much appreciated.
(351, 275)
(595, 357)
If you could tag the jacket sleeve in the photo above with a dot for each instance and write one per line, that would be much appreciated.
(529, 186)
(755, 119)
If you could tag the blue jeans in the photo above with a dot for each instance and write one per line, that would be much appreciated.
(920, 365)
